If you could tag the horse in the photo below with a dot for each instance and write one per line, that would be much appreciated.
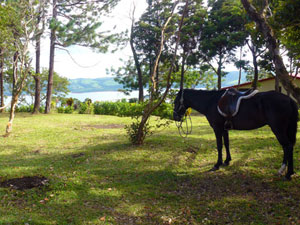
(271, 108)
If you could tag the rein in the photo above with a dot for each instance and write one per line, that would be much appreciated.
(185, 131)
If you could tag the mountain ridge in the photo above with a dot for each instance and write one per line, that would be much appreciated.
(82, 85)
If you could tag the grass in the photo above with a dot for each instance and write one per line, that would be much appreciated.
(97, 177)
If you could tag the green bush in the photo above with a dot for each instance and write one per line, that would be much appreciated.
(132, 130)
(68, 109)
(60, 109)
(86, 108)
(122, 108)
(24, 108)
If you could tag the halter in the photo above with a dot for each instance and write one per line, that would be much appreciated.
(185, 118)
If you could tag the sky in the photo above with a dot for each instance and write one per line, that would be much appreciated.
(90, 64)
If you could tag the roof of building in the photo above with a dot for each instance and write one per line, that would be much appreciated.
(260, 81)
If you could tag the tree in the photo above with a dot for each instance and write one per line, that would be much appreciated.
(190, 35)
(20, 27)
(222, 33)
(137, 63)
(130, 78)
(273, 46)
(155, 101)
(285, 22)
(76, 22)
(145, 40)
(40, 27)
(6, 46)
(60, 86)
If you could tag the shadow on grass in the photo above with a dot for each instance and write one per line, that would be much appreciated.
(122, 184)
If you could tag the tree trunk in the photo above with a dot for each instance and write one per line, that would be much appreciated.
(219, 73)
(14, 101)
(51, 60)
(255, 66)
(1, 80)
(273, 47)
(182, 71)
(240, 69)
(137, 66)
(14, 97)
(277, 84)
(37, 78)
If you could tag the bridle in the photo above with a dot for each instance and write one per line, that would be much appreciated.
(185, 118)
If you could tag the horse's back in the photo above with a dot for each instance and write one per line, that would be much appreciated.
(265, 108)
(277, 101)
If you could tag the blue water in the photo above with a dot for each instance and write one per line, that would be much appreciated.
(103, 95)
(94, 96)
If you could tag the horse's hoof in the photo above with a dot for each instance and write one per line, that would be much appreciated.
(282, 170)
(285, 178)
(213, 169)
(225, 164)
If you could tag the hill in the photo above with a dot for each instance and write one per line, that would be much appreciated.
(82, 85)
(92, 85)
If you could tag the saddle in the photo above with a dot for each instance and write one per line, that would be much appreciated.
(229, 104)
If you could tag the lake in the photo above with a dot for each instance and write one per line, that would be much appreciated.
(103, 95)
(95, 96)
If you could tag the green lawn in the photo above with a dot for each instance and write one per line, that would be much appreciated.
(97, 177)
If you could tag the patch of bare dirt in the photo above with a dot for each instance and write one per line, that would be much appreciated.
(25, 183)
(103, 126)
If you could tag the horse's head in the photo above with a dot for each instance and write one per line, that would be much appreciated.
(179, 107)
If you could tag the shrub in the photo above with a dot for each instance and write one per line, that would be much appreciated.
(60, 109)
(132, 130)
(86, 108)
(70, 101)
(69, 110)
(123, 108)
(24, 108)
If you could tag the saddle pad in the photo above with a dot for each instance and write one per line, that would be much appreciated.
(233, 104)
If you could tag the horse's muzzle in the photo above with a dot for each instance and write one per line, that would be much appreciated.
(176, 117)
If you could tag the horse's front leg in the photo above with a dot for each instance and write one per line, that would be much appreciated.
(226, 143)
(219, 147)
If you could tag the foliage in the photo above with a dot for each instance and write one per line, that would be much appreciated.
(70, 101)
(86, 108)
(60, 85)
(118, 108)
(68, 109)
(133, 129)
(222, 33)
(285, 21)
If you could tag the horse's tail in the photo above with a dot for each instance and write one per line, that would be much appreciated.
(292, 127)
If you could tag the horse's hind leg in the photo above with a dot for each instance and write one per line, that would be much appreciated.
(226, 143)
(289, 152)
(283, 139)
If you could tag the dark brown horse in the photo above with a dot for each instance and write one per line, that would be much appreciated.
(271, 108)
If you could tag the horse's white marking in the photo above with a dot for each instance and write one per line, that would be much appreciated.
(282, 169)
